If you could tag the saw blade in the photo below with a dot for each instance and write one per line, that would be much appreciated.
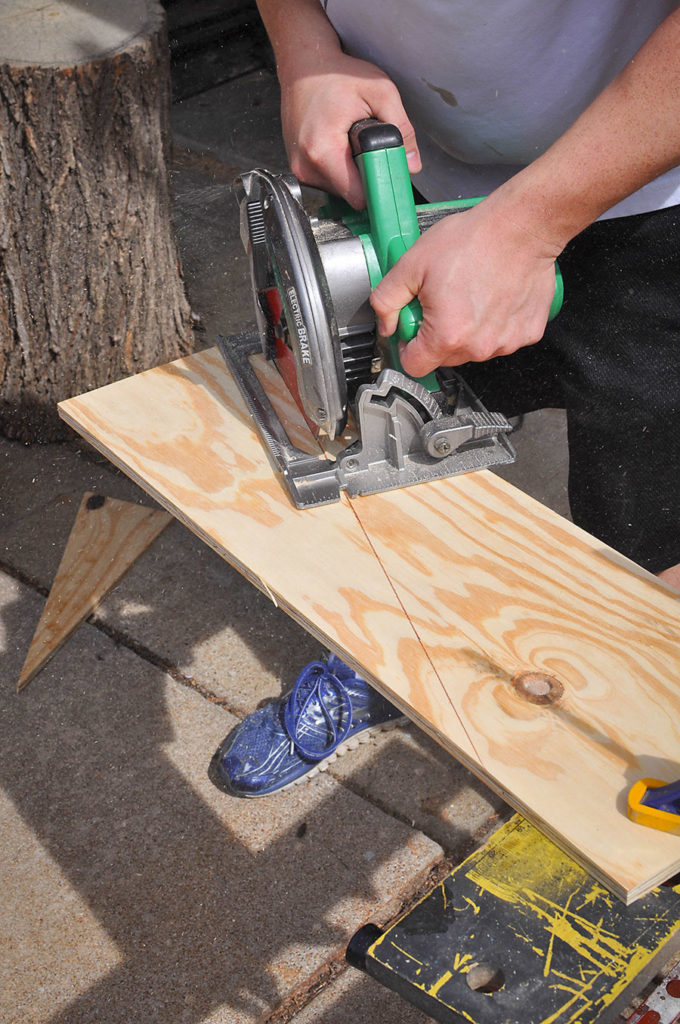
(285, 258)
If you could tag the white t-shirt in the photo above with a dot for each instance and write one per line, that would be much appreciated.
(490, 84)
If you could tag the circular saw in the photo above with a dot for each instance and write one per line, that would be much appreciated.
(312, 276)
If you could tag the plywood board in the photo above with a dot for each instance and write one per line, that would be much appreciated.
(447, 597)
(107, 537)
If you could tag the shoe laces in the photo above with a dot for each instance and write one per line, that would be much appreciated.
(317, 683)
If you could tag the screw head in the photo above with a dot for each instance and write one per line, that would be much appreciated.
(442, 446)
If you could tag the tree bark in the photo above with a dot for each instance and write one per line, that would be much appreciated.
(90, 283)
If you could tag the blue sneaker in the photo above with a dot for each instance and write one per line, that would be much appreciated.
(329, 710)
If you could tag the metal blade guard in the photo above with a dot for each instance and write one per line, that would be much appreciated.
(402, 440)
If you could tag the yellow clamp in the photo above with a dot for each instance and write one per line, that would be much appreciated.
(650, 816)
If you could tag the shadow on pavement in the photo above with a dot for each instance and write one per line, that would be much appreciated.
(210, 903)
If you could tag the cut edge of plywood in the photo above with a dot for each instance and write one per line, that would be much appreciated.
(107, 537)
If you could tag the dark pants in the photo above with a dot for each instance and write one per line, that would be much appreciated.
(611, 358)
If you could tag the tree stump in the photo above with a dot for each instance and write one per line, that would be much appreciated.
(90, 283)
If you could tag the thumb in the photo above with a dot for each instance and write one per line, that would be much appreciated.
(395, 291)
(420, 356)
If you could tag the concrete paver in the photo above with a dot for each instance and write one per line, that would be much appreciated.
(147, 893)
(412, 777)
(180, 600)
(361, 1000)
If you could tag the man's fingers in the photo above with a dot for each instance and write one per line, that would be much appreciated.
(320, 154)
(411, 147)
(332, 170)
(353, 190)
(396, 115)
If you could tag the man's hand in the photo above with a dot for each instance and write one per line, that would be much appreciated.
(323, 92)
(484, 283)
(318, 107)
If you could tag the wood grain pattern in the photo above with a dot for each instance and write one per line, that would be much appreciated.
(108, 535)
(442, 595)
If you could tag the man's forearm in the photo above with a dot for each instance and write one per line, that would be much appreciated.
(323, 92)
(298, 30)
(627, 137)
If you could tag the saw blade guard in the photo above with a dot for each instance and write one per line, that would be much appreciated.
(293, 303)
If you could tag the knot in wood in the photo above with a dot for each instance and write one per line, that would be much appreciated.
(538, 687)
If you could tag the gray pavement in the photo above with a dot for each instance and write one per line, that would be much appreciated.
(133, 889)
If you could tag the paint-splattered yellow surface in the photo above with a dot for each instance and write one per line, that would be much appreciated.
(566, 950)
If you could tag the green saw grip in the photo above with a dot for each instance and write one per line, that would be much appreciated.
(380, 156)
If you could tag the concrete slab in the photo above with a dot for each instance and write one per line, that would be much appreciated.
(361, 1000)
(407, 774)
(42, 486)
(206, 219)
(146, 893)
(188, 609)
(180, 601)
(183, 602)
(214, 41)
